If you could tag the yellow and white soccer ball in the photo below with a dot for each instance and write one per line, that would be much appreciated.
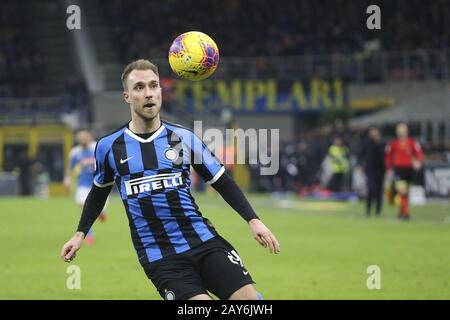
(193, 56)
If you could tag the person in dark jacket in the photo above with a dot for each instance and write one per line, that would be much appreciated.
(371, 158)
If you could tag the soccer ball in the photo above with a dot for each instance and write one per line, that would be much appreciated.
(193, 56)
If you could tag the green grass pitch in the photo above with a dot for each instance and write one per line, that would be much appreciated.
(326, 248)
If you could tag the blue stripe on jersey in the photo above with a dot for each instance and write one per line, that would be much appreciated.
(146, 236)
(170, 224)
(197, 221)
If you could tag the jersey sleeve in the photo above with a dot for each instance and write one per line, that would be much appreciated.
(204, 161)
(103, 175)
(73, 159)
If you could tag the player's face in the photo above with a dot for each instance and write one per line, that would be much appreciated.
(375, 134)
(84, 138)
(337, 141)
(402, 131)
(144, 93)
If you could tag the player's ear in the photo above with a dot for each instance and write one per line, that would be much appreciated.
(126, 96)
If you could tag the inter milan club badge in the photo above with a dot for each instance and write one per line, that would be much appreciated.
(171, 154)
(169, 295)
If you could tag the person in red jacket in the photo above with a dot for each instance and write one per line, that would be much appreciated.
(403, 156)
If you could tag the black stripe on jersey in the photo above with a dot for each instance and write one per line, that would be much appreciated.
(148, 152)
(156, 226)
(120, 152)
(109, 173)
(189, 233)
(135, 235)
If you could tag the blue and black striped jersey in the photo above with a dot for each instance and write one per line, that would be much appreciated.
(153, 178)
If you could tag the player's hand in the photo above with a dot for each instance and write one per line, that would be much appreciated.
(67, 182)
(416, 164)
(68, 252)
(264, 236)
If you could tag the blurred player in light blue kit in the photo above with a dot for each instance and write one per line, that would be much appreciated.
(82, 162)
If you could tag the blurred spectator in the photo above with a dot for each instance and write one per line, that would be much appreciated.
(371, 158)
(41, 180)
(305, 176)
(338, 154)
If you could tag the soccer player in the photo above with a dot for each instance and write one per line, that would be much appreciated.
(149, 160)
(403, 156)
(82, 156)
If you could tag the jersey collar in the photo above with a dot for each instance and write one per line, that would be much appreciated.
(149, 139)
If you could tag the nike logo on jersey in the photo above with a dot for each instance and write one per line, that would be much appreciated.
(123, 161)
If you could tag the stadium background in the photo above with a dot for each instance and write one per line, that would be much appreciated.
(311, 69)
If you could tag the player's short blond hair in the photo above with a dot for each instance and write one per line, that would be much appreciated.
(141, 64)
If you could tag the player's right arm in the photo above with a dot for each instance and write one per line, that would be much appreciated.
(92, 208)
(95, 201)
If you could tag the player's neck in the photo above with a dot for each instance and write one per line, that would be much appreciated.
(139, 125)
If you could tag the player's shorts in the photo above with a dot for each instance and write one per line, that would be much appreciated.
(214, 266)
(404, 174)
(81, 194)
